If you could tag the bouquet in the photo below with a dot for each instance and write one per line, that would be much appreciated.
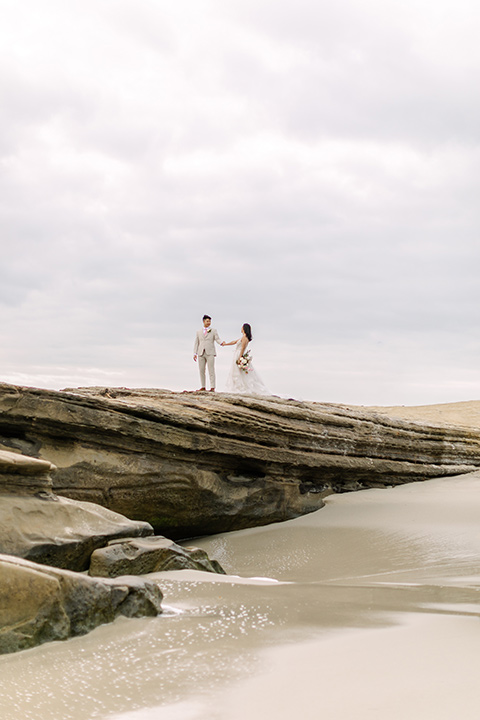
(244, 362)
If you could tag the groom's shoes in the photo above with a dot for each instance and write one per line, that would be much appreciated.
(212, 390)
(200, 390)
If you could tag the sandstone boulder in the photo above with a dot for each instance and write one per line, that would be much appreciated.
(39, 603)
(37, 525)
(137, 556)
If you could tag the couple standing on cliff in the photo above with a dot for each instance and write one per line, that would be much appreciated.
(242, 377)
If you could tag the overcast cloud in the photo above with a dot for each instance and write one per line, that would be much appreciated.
(308, 167)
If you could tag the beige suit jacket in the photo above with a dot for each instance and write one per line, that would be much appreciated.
(205, 344)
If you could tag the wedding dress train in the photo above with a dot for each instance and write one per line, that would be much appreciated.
(246, 383)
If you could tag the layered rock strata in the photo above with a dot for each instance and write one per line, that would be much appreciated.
(40, 604)
(193, 464)
(138, 556)
(20, 474)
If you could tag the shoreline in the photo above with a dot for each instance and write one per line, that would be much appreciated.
(376, 594)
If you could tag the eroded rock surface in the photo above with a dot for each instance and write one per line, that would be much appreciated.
(201, 463)
(38, 525)
(40, 604)
(138, 556)
(23, 474)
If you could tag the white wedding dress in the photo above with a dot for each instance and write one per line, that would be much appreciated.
(238, 381)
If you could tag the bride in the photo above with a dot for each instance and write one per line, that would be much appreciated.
(243, 378)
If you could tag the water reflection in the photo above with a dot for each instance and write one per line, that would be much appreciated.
(364, 563)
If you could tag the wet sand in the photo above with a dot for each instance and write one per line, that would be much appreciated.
(368, 608)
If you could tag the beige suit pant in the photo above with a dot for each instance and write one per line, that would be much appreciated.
(209, 361)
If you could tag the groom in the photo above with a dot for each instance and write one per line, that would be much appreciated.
(204, 350)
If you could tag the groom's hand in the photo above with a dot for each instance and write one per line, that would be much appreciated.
(223, 343)
(195, 358)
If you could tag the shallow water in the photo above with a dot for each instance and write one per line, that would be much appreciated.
(368, 608)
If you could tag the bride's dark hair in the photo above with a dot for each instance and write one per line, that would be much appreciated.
(247, 330)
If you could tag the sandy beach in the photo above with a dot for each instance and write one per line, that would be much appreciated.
(466, 414)
(367, 609)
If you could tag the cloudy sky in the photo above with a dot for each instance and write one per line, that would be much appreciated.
(310, 167)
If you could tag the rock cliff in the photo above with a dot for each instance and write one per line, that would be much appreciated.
(200, 463)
